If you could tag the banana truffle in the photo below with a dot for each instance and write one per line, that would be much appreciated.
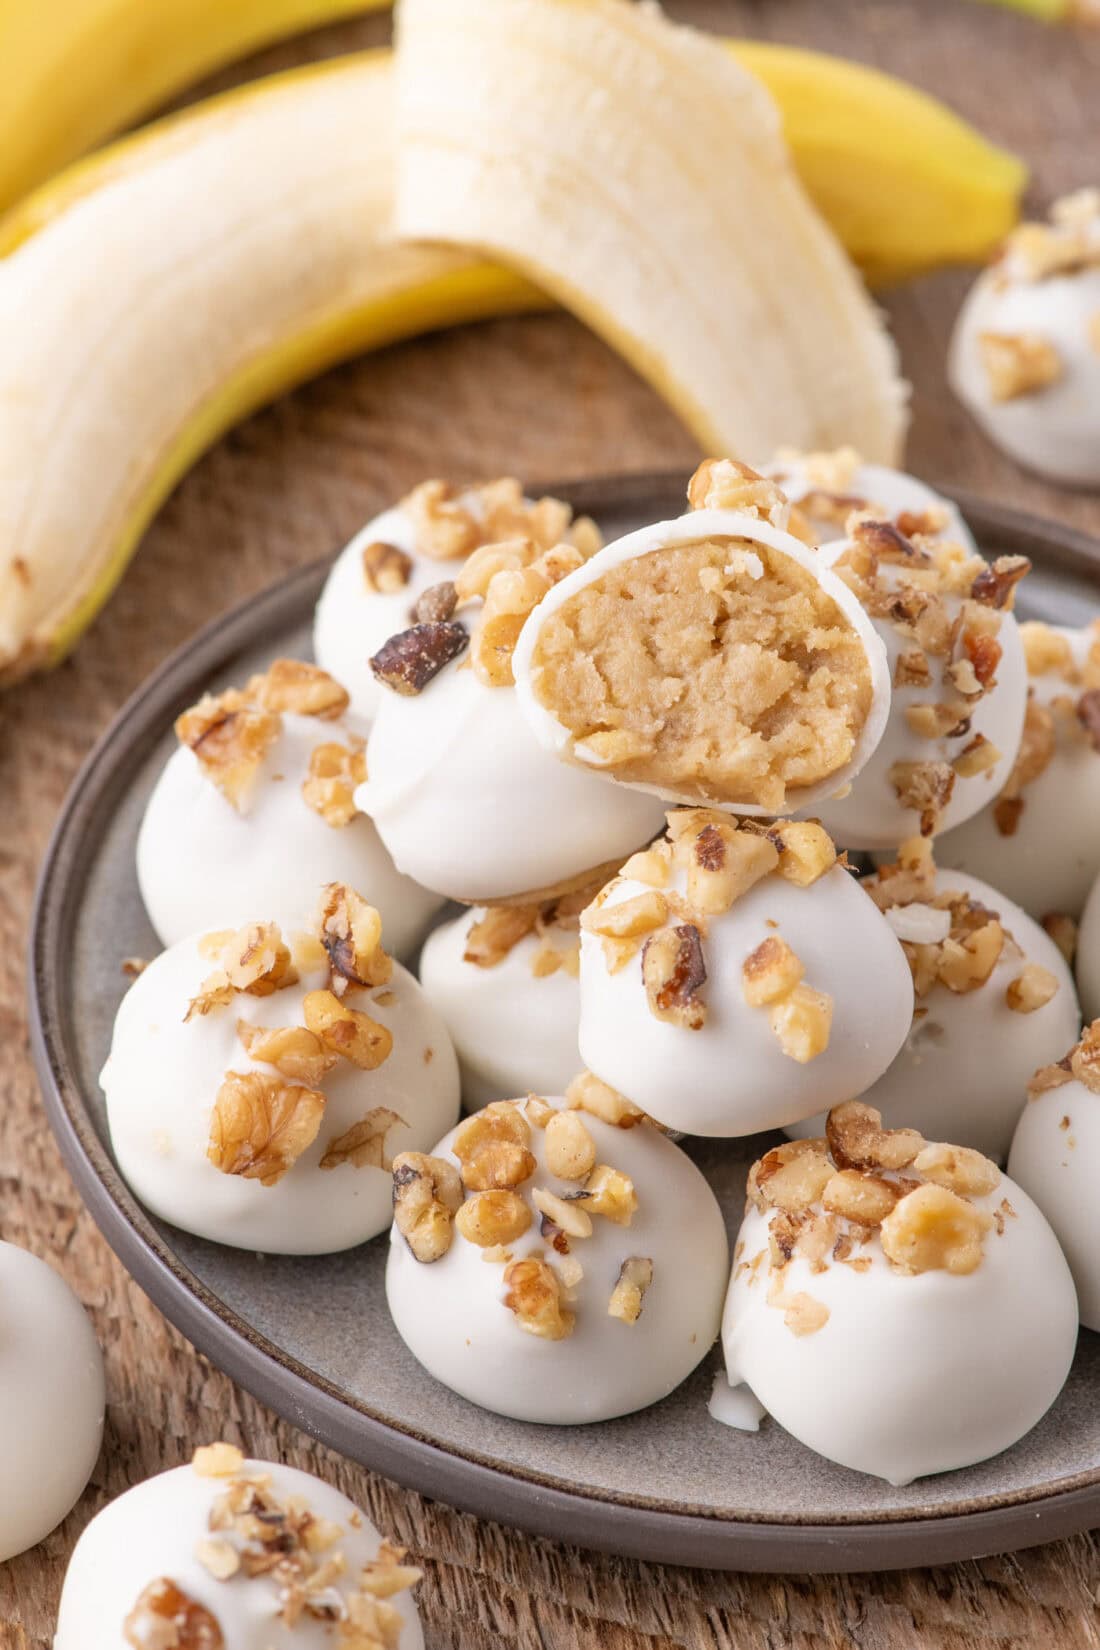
(463, 796)
(710, 659)
(994, 1000)
(504, 978)
(1039, 841)
(260, 1081)
(714, 991)
(554, 1266)
(899, 1306)
(825, 488)
(956, 664)
(51, 1399)
(1025, 353)
(255, 811)
(231, 1554)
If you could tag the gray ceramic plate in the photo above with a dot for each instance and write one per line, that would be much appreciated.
(313, 1339)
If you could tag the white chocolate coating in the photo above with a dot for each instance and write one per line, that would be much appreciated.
(910, 1375)
(352, 621)
(731, 1077)
(201, 864)
(876, 487)
(162, 1077)
(468, 802)
(698, 525)
(1088, 955)
(871, 815)
(51, 1400)
(152, 1531)
(1054, 1157)
(963, 1071)
(1051, 859)
(1054, 430)
(513, 1031)
(451, 1315)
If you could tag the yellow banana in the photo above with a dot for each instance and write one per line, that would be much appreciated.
(74, 71)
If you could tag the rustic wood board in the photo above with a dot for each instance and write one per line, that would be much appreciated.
(537, 397)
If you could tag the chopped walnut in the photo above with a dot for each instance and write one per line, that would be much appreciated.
(628, 919)
(1046, 650)
(1085, 1059)
(1032, 988)
(260, 1125)
(979, 756)
(219, 1558)
(769, 972)
(386, 569)
(959, 1168)
(933, 1229)
(444, 520)
(329, 787)
(300, 688)
(536, 1111)
(533, 1292)
(587, 1093)
(806, 850)
(790, 1177)
(565, 1214)
(218, 1460)
(294, 1051)
(912, 669)
(436, 604)
(925, 787)
(491, 938)
(427, 1194)
(726, 484)
(803, 1315)
(510, 597)
(165, 1618)
(481, 568)
(570, 1148)
(490, 1219)
(721, 862)
(492, 1148)
(1018, 364)
(628, 1295)
(610, 1193)
(995, 586)
(966, 964)
(364, 1144)
(674, 973)
(351, 932)
(230, 740)
(802, 1021)
(859, 1195)
(857, 1139)
(414, 657)
(346, 1031)
(935, 721)
(254, 960)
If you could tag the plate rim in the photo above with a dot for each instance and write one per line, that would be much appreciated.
(521, 1499)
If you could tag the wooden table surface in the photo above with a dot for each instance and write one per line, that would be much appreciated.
(537, 397)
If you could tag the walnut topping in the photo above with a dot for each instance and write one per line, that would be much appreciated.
(1084, 1060)
(629, 919)
(1032, 988)
(436, 604)
(979, 756)
(253, 960)
(564, 1214)
(587, 1093)
(445, 520)
(492, 1148)
(909, 879)
(995, 586)
(857, 1139)
(414, 657)
(1018, 364)
(1046, 650)
(453, 522)
(806, 850)
(925, 787)
(860, 1196)
(674, 973)
(803, 1315)
(329, 787)
(295, 686)
(230, 740)
(217, 1460)
(427, 1194)
(165, 1618)
(802, 1020)
(965, 964)
(346, 1031)
(533, 1292)
(219, 1558)
(959, 1168)
(570, 1148)
(610, 1193)
(386, 569)
(934, 1229)
(261, 1125)
(790, 1177)
(364, 1144)
(491, 1219)
(935, 721)
(294, 1051)
(726, 484)
(649, 865)
(493, 936)
(628, 1295)
(351, 932)
(912, 669)
(721, 862)
(510, 597)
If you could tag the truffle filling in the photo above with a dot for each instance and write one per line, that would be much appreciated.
(718, 670)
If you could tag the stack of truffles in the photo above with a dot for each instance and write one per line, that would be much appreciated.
(654, 774)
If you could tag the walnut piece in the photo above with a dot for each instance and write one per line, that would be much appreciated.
(165, 1618)
(859, 1195)
(351, 932)
(427, 1194)
(298, 687)
(261, 1125)
(727, 484)
(346, 1031)
(491, 1218)
(806, 850)
(436, 604)
(628, 918)
(294, 1051)
(363, 1145)
(979, 756)
(414, 657)
(1085, 1059)
(491, 938)
(533, 1292)
(769, 972)
(610, 1193)
(933, 1229)
(329, 786)
(721, 862)
(802, 1020)
(492, 1148)
(674, 973)
(1032, 988)
(218, 1460)
(565, 1214)
(628, 1295)
(386, 569)
(790, 1177)
(995, 586)
(1018, 364)
(570, 1148)
(959, 1168)
(230, 740)
(253, 960)
(925, 787)
(587, 1093)
(857, 1139)
(966, 964)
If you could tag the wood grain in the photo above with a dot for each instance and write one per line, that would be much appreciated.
(537, 397)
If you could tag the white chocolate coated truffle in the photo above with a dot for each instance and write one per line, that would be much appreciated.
(165, 1072)
(1054, 1157)
(513, 1021)
(962, 1073)
(1025, 352)
(452, 1315)
(773, 661)
(51, 1399)
(902, 1376)
(730, 1075)
(202, 862)
(1040, 841)
(1088, 954)
(468, 802)
(163, 1529)
(885, 803)
(827, 487)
